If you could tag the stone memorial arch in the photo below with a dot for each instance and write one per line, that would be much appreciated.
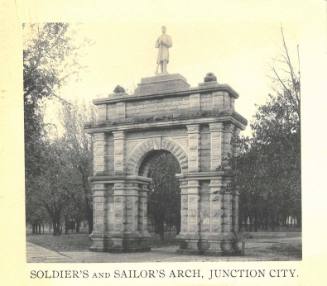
(198, 126)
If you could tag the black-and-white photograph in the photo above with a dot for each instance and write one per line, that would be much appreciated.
(154, 132)
(163, 142)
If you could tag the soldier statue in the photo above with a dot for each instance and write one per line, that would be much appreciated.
(163, 44)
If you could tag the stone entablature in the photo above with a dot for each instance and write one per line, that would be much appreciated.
(212, 98)
(171, 120)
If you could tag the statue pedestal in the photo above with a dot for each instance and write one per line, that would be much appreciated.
(161, 83)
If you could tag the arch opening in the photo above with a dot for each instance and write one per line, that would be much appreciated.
(164, 201)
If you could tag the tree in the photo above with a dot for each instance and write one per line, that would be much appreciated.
(55, 186)
(46, 50)
(269, 168)
(59, 190)
(36, 216)
(79, 154)
(49, 59)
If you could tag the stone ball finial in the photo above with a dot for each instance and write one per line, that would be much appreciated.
(119, 89)
(210, 77)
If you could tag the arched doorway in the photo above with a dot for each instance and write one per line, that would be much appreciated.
(164, 199)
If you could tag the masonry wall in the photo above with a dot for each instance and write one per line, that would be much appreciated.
(172, 105)
(157, 107)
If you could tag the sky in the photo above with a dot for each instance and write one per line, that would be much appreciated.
(236, 40)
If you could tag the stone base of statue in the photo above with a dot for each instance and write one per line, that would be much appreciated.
(161, 83)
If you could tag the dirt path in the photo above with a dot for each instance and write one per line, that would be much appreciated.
(36, 253)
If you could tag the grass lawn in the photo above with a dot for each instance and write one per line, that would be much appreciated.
(61, 243)
(286, 245)
(291, 249)
(77, 242)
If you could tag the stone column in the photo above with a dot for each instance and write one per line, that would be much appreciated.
(193, 213)
(190, 209)
(227, 229)
(236, 196)
(132, 207)
(143, 210)
(215, 206)
(227, 144)
(236, 152)
(216, 148)
(99, 149)
(193, 132)
(110, 208)
(228, 211)
(236, 143)
(184, 207)
(119, 152)
(99, 216)
(119, 216)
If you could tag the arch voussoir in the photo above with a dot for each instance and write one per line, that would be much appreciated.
(135, 159)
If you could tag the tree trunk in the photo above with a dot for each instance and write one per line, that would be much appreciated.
(178, 227)
(161, 229)
(88, 201)
(90, 224)
(77, 226)
(89, 216)
(255, 223)
(56, 226)
(66, 225)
